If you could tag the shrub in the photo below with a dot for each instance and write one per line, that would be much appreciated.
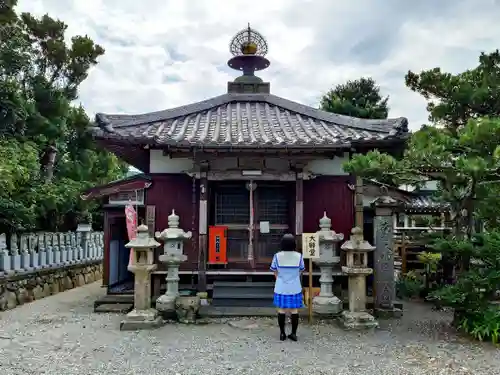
(482, 326)
(472, 295)
(408, 286)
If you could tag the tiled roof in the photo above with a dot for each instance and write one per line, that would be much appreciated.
(423, 203)
(247, 120)
(412, 201)
(137, 181)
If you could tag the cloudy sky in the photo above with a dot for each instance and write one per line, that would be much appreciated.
(165, 53)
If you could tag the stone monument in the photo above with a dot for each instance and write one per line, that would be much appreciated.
(173, 243)
(384, 279)
(83, 241)
(143, 316)
(356, 268)
(327, 303)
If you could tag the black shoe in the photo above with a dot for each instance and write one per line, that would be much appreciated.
(292, 336)
(282, 336)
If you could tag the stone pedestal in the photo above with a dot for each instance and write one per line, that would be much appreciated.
(384, 278)
(173, 242)
(356, 268)
(327, 304)
(166, 302)
(143, 316)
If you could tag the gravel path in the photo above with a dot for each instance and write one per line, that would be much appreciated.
(60, 335)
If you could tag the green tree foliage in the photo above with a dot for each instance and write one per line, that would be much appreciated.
(461, 152)
(39, 78)
(461, 160)
(454, 99)
(359, 98)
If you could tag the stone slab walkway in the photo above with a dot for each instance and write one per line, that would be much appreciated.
(60, 335)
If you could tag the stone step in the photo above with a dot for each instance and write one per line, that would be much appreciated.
(117, 308)
(241, 304)
(239, 311)
(114, 299)
(214, 311)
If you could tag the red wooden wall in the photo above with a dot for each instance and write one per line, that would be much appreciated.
(325, 193)
(175, 191)
(330, 194)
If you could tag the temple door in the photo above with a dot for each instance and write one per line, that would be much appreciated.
(232, 210)
(272, 210)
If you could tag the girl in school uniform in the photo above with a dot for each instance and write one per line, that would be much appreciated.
(288, 266)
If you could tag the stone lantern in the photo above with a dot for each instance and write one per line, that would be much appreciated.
(357, 269)
(173, 243)
(327, 303)
(143, 316)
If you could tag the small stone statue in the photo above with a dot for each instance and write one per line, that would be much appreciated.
(187, 308)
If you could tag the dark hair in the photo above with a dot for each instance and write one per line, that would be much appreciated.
(288, 242)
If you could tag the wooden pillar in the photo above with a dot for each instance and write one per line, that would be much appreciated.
(151, 224)
(251, 228)
(151, 219)
(359, 218)
(403, 253)
(156, 291)
(202, 233)
(107, 238)
(299, 207)
(406, 221)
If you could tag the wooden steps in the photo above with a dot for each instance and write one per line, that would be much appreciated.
(242, 294)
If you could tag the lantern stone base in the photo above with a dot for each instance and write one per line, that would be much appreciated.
(387, 313)
(327, 306)
(358, 320)
(165, 304)
(141, 319)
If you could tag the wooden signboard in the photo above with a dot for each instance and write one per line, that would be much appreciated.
(310, 245)
(310, 251)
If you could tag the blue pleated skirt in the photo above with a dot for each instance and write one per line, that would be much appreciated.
(288, 301)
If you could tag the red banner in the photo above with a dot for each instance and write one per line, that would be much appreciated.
(131, 218)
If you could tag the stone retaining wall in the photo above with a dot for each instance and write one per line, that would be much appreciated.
(29, 286)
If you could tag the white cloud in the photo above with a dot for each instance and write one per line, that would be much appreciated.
(165, 53)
